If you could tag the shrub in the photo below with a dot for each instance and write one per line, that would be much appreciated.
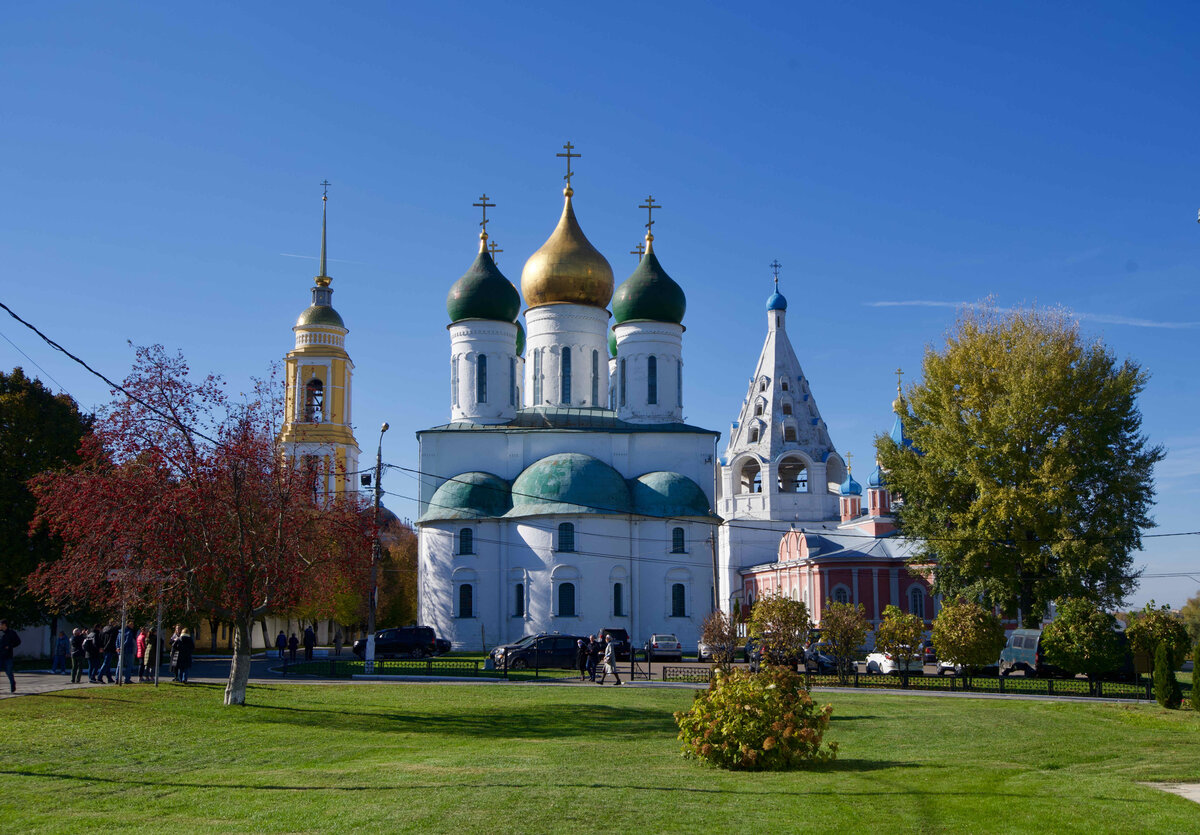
(1166, 687)
(1083, 638)
(780, 625)
(901, 635)
(756, 721)
(720, 633)
(844, 628)
(1151, 627)
(966, 633)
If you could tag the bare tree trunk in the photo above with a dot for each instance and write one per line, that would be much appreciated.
(239, 669)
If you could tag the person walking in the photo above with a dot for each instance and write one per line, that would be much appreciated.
(9, 640)
(593, 656)
(141, 654)
(310, 641)
(128, 644)
(175, 636)
(293, 644)
(62, 648)
(610, 660)
(183, 662)
(108, 649)
(281, 643)
(78, 656)
(338, 642)
(581, 658)
(93, 648)
(150, 659)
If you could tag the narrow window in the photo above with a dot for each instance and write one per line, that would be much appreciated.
(840, 595)
(512, 382)
(762, 386)
(785, 385)
(677, 542)
(618, 601)
(758, 409)
(652, 380)
(679, 382)
(789, 433)
(466, 541)
(481, 379)
(754, 434)
(454, 381)
(566, 600)
(566, 376)
(566, 537)
(519, 600)
(466, 601)
(678, 601)
(787, 408)
(537, 377)
(595, 377)
(916, 602)
(314, 401)
(621, 382)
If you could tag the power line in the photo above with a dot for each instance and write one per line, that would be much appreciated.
(61, 387)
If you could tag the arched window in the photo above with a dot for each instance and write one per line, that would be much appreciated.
(679, 382)
(621, 381)
(314, 401)
(916, 601)
(595, 377)
(519, 600)
(793, 476)
(454, 381)
(466, 601)
(762, 385)
(466, 541)
(840, 595)
(566, 536)
(784, 385)
(758, 409)
(512, 381)
(566, 600)
(751, 478)
(618, 600)
(481, 379)
(677, 541)
(566, 376)
(678, 600)
(787, 408)
(789, 433)
(537, 377)
(652, 380)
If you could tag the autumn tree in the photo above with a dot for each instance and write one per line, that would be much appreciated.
(1083, 639)
(39, 431)
(1153, 626)
(1190, 613)
(780, 626)
(1025, 476)
(901, 635)
(844, 628)
(188, 497)
(719, 631)
(966, 633)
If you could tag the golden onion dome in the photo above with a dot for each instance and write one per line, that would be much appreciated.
(567, 269)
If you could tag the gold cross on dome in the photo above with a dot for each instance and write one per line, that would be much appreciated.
(325, 184)
(485, 205)
(899, 374)
(638, 250)
(492, 248)
(649, 206)
(570, 156)
(849, 462)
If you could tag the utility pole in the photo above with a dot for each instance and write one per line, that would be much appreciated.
(369, 657)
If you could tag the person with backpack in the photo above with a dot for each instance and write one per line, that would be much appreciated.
(78, 656)
(9, 640)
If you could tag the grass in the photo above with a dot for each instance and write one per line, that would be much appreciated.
(451, 758)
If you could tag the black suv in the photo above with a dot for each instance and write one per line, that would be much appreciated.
(404, 642)
(539, 651)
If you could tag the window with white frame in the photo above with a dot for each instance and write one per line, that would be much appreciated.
(678, 545)
(566, 600)
(916, 601)
(519, 600)
(481, 378)
(466, 541)
(566, 537)
(841, 594)
(466, 601)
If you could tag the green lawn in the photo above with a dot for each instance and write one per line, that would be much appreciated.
(482, 759)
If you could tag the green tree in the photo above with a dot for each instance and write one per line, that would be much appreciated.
(1083, 638)
(966, 633)
(39, 431)
(1166, 686)
(1151, 627)
(719, 631)
(844, 628)
(1191, 617)
(1024, 474)
(901, 635)
(780, 625)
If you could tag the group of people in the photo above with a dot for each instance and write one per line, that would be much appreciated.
(102, 649)
(588, 655)
(287, 646)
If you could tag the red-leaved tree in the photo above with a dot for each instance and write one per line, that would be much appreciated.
(187, 495)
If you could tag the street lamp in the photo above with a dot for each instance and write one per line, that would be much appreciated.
(369, 657)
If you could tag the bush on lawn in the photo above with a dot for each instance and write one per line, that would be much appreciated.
(1166, 687)
(756, 721)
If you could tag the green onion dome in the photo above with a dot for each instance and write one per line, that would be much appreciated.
(483, 292)
(612, 343)
(472, 495)
(569, 482)
(649, 293)
(520, 340)
(667, 494)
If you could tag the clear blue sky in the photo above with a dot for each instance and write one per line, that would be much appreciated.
(159, 166)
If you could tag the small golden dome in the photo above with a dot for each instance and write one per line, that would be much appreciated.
(567, 269)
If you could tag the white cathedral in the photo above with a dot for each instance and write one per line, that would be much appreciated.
(566, 494)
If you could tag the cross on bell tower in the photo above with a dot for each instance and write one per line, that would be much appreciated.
(569, 156)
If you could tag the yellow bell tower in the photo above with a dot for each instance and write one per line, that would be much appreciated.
(316, 431)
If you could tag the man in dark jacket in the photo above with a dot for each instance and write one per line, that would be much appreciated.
(128, 650)
(108, 648)
(9, 640)
(281, 643)
(78, 656)
(310, 641)
(593, 656)
(93, 646)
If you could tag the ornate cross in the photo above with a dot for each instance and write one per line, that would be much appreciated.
(638, 250)
(492, 248)
(485, 205)
(649, 206)
(775, 265)
(325, 184)
(899, 374)
(570, 156)
(849, 462)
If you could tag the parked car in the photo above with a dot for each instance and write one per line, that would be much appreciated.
(552, 650)
(707, 652)
(404, 642)
(818, 659)
(930, 656)
(753, 655)
(883, 662)
(620, 638)
(663, 646)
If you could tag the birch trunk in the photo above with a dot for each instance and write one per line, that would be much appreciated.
(239, 669)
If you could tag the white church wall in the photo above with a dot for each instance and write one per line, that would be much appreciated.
(582, 329)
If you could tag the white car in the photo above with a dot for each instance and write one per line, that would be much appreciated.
(663, 645)
(883, 662)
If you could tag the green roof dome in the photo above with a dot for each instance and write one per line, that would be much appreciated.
(668, 494)
(483, 293)
(520, 340)
(612, 343)
(649, 294)
(569, 482)
(320, 314)
(469, 496)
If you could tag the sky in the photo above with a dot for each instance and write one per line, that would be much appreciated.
(159, 170)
